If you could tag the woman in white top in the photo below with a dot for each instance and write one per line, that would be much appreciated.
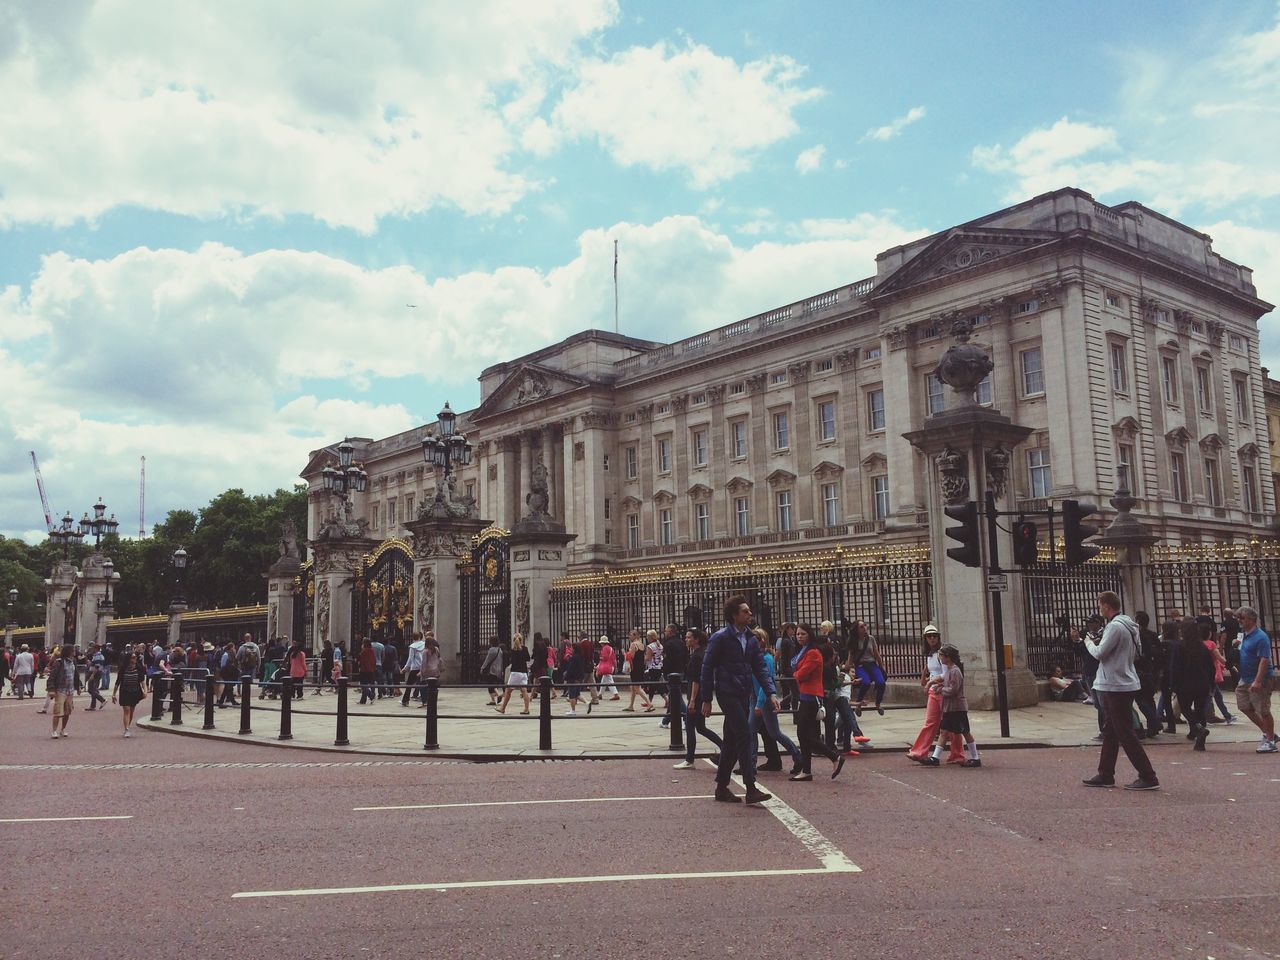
(931, 681)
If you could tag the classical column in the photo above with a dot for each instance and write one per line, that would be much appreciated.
(553, 471)
(762, 513)
(596, 439)
(280, 577)
(57, 593)
(91, 590)
(802, 443)
(721, 507)
(680, 469)
(564, 488)
(850, 428)
(526, 471)
(901, 384)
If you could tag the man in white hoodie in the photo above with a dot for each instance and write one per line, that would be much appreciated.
(1117, 683)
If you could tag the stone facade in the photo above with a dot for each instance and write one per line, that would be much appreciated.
(1119, 336)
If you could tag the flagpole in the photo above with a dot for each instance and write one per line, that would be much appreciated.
(615, 286)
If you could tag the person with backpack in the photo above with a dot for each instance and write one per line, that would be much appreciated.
(1117, 684)
(229, 672)
(64, 684)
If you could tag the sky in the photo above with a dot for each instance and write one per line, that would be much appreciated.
(231, 233)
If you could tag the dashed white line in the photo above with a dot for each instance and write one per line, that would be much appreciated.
(60, 819)
(521, 803)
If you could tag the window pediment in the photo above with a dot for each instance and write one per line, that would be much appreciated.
(827, 470)
(700, 491)
(738, 485)
(1126, 428)
(1211, 443)
(875, 463)
(1178, 438)
(781, 478)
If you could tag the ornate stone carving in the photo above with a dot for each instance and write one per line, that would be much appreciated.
(323, 602)
(288, 540)
(799, 371)
(1249, 452)
(334, 559)
(1177, 438)
(598, 419)
(874, 463)
(715, 393)
(780, 478)
(964, 365)
(539, 495)
(440, 543)
(630, 503)
(847, 359)
(447, 503)
(997, 461)
(738, 485)
(493, 471)
(699, 491)
(899, 337)
(567, 425)
(1049, 293)
(550, 554)
(827, 470)
(579, 451)
(1148, 306)
(426, 612)
(966, 256)
(1126, 429)
(522, 607)
(679, 402)
(272, 614)
(664, 497)
(953, 473)
(645, 412)
(533, 386)
(341, 523)
(482, 449)
(755, 383)
(1211, 443)
(1215, 329)
(1184, 319)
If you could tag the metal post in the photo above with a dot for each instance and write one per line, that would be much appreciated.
(432, 691)
(341, 739)
(674, 683)
(286, 711)
(175, 694)
(246, 690)
(997, 614)
(157, 697)
(208, 702)
(544, 713)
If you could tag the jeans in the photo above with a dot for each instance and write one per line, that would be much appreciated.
(1147, 705)
(1193, 701)
(739, 745)
(695, 723)
(94, 697)
(766, 722)
(810, 738)
(411, 688)
(1222, 707)
(848, 725)
(868, 674)
(367, 693)
(1119, 734)
(25, 684)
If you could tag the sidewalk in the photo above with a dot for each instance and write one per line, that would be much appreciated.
(468, 729)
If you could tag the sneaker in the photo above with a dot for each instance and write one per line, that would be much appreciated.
(1141, 784)
(590, 705)
(756, 795)
(1201, 736)
(1098, 780)
(1267, 746)
(851, 753)
(725, 795)
(128, 734)
(972, 762)
(683, 765)
(1232, 720)
(861, 739)
(879, 709)
(571, 713)
(930, 762)
(62, 734)
(799, 776)
(666, 722)
(54, 736)
(1099, 738)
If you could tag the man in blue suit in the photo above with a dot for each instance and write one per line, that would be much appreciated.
(732, 658)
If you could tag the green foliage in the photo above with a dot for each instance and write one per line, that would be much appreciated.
(230, 544)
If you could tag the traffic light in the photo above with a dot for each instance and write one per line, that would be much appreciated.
(1025, 538)
(966, 534)
(1075, 532)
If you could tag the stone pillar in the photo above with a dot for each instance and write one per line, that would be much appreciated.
(1132, 542)
(526, 470)
(438, 544)
(553, 471)
(91, 618)
(280, 576)
(176, 610)
(57, 591)
(337, 563)
(538, 557)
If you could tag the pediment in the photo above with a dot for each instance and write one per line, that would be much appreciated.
(1249, 451)
(1178, 438)
(961, 249)
(1126, 428)
(527, 385)
(1211, 444)
(320, 459)
(827, 470)
(630, 503)
(700, 491)
(664, 497)
(874, 463)
(780, 478)
(738, 485)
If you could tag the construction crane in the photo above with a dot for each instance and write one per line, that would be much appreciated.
(142, 501)
(44, 501)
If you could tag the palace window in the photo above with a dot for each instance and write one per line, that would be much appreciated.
(698, 399)
(781, 431)
(666, 529)
(1114, 301)
(1124, 468)
(738, 437)
(1169, 378)
(408, 502)
(1178, 477)
(702, 520)
(880, 496)
(374, 514)
(742, 516)
(1204, 392)
(633, 462)
(871, 353)
(779, 377)
(1241, 389)
(391, 515)
(933, 388)
(1039, 473)
(830, 504)
(983, 393)
(826, 420)
(1236, 342)
(737, 389)
(1032, 372)
(607, 505)
(783, 498)
(1249, 480)
(823, 366)
(875, 410)
(664, 455)
(1026, 306)
(1212, 482)
(633, 531)
(1119, 367)
(699, 448)
(664, 408)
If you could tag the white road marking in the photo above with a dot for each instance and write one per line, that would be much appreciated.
(977, 816)
(61, 819)
(829, 855)
(520, 803)
(538, 881)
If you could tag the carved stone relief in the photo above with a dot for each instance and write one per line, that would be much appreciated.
(323, 601)
(997, 460)
(426, 613)
(522, 607)
(953, 472)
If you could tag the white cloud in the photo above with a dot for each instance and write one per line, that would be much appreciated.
(212, 362)
(895, 127)
(810, 160)
(1259, 249)
(684, 108)
(348, 114)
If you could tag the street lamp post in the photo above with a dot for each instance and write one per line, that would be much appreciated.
(100, 525)
(444, 452)
(66, 534)
(13, 606)
(179, 560)
(108, 575)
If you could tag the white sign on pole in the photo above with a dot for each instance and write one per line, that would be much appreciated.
(998, 582)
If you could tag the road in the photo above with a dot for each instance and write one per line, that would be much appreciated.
(228, 848)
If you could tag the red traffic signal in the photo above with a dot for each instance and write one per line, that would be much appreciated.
(1026, 537)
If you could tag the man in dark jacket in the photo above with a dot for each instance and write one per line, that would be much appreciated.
(732, 658)
(675, 658)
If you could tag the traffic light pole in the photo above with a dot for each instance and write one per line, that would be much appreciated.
(997, 611)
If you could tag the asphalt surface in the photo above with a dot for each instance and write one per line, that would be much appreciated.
(1014, 860)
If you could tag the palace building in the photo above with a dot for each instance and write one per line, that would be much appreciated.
(1119, 336)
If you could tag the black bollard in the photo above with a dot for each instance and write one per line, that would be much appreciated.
(157, 697)
(544, 713)
(286, 711)
(246, 692)
(208, 702)
(674, 684)
(432, 693)
(341, 739)
(175, 694)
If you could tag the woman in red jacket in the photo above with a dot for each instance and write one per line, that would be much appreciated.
(367, 663)
(806, 669)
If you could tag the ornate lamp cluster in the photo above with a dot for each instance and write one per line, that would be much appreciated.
(450, 448)
(100, 525)
(65, 534)
(347, 476)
